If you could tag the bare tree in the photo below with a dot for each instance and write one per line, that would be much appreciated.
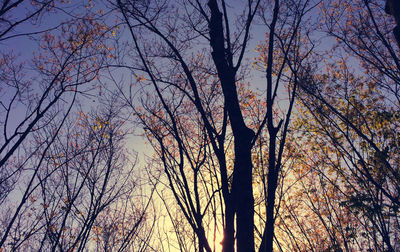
(37, 97)
(194, 58)
(84, 179)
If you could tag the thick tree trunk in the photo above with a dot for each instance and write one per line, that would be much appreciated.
(242, 191)
(392, 7)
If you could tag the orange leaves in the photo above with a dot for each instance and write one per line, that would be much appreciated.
(260, 62)
(97, 229)
(140, 78)
(51, 228)
(66, 201)
(45, 206)
(32, 199)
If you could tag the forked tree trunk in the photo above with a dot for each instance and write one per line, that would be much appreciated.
(242, 190)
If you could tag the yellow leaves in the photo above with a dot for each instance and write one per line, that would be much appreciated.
(260, 62)
(99, 123)
(90, 5)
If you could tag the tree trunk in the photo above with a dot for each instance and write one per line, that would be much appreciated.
(268, 236)
(228, 243)
(392, 7)
(242, 190)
